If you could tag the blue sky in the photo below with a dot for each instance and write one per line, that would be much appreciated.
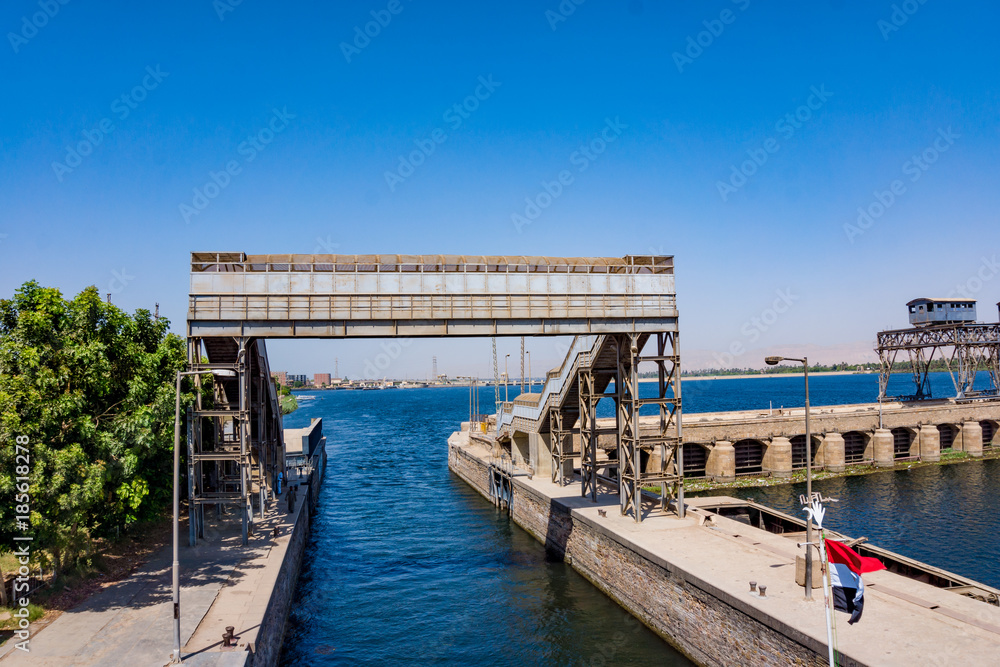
(743, 139)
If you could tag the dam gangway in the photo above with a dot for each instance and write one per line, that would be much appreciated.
(237, 301)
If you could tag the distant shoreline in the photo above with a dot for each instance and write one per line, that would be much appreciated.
(687, 378)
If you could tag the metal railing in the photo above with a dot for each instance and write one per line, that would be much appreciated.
(406, 306)
(240, 263)
(579, 356)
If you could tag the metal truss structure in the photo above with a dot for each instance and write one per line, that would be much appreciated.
(235, 446)
(562, 443)
(237, 301)
(966, 349)
(592, 384)
(634, 446)
(615, 365)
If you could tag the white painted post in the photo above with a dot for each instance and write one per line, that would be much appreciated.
(825, 564)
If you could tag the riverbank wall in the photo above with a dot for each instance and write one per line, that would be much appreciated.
(271, 631)
(687, 580)
(258, 596)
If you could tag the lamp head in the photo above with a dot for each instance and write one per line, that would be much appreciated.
(223, 373)
(773, 361)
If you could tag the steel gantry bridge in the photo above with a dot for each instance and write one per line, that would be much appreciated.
(966, 349)
(615, 306)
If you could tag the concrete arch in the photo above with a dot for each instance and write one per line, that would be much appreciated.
(695, 459)
(902, 442)
(949, 433)
(856, 447)
(990, 430)
(749, 454)
(799, 450)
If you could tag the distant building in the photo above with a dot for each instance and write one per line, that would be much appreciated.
(281, 377)
(304, 379)
(925, 312)
(320, 379)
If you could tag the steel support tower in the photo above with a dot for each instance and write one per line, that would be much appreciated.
(635, 445)
(965, 349)
(235, 444)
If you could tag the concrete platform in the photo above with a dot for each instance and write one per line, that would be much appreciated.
(222, 583)
(905, 622)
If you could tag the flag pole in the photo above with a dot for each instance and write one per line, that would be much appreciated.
(825, 564)
(816, 513)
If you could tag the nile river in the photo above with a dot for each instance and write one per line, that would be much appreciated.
(406, 564)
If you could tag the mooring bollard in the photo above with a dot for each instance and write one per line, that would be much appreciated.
(228, 639)
(753, 586)
(763, 591)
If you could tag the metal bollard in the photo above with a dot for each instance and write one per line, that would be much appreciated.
(753, 586)
(763, 591)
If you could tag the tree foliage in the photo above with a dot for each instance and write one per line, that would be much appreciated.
(92, 388)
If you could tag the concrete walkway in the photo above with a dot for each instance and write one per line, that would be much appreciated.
(906, 622)
(130, 623)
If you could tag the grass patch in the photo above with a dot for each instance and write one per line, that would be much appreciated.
(9, 622)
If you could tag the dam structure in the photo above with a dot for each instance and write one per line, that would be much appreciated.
(606, 495)
(627, 303)
(555, 468)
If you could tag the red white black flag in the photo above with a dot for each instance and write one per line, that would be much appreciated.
(846, 568)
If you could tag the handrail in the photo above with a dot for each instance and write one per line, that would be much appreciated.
(579, 354)
(242, 263)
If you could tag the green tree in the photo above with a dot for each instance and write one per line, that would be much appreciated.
(92, 390)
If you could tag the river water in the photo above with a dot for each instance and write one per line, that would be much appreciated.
(406, 564)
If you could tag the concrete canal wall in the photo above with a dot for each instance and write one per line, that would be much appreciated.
(271, 632)
(259, 594)
(706, 624)
(688, 581)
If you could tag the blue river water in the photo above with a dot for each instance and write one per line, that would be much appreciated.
(408, 565)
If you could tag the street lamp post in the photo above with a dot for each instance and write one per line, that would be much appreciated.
(506, 396)
(772, 361)
(530, 383)
(177, 505)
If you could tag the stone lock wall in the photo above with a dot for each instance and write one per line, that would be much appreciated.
(271, 633)
(719, 432)
(705, 623)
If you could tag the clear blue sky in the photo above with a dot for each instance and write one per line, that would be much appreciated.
(680, 124)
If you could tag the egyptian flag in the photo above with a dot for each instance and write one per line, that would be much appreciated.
(846, 568)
